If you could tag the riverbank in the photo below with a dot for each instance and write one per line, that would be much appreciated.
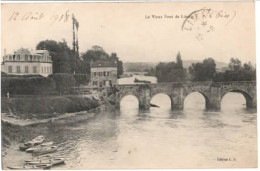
(17, 131)
(19, 115)
(39, 107)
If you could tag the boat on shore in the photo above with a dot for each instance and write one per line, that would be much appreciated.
(30, 167)
(51, 161)
(36, 141)
(45, 150)
(32, 149)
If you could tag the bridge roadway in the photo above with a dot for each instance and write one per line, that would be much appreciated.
(213, 92)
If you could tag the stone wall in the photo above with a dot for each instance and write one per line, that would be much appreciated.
(212, 92)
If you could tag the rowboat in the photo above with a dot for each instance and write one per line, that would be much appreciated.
(27, 167)
(36, 141)
(51, 161)
(45, 150)
(32, 149)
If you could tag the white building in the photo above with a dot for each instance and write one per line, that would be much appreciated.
(103, 73)
(25, 62)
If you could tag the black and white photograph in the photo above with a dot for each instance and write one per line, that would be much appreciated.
(128, 85)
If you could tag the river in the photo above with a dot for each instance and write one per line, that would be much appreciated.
(159, 137)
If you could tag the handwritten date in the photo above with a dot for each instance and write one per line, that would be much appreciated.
(37, 16)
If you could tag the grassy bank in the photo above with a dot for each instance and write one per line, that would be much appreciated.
(43, 107)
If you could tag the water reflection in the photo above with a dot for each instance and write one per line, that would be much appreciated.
(194, 101)
(232, 102)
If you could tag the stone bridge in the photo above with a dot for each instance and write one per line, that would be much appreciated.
(213, 92)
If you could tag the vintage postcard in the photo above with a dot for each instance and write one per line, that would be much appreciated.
(127, 85)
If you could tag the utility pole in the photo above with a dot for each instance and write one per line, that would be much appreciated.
(75, 43)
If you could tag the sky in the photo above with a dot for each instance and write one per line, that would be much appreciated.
(137, 32)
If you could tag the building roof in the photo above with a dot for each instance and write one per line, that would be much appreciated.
(22, 50)
(100, 64)
(41, 51)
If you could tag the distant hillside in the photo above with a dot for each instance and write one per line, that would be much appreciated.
(142, 66)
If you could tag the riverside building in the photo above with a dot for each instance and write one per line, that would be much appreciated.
(25, 62)
(103, 73)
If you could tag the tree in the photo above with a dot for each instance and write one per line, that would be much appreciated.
(236, 72)
(94, 54)
(179, 61)
(248, 66)
(234, 64)
(63, 81)
(169, 72)
(120, 68)
(204, 71)
(62, 56)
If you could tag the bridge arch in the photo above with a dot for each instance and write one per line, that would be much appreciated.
(207, 101)
(165, 100)
(247, 96)
(133, 99)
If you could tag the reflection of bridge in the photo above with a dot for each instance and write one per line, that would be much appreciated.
(213, 92)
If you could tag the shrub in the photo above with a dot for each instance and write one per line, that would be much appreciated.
(81, 79)
(40, 85)
(63, 81)
(26, 85)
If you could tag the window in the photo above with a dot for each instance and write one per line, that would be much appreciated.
(104, 73)
(108, 73)
(26, 69)
(10, 69)
(34, 58)
(95, 83)
(95, 73)
(31, 57)
(18, 69)
(14, 57)
(104, 83)
(26, 57)
(34, 69)
(50, 69)
(45, 70)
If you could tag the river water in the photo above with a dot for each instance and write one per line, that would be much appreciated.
(159, 137)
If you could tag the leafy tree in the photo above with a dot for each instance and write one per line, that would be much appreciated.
(62, 56)
(234, 64)
(120, 68)
(94, 54)
(63, 81)
(179, 61)
(204, 71)
(248, 66)
(169, 72)
(236, 72)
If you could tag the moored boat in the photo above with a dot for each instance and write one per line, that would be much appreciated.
(36, 141)
(27, 167)
(32, 149)
(45, 150)
(51, 161)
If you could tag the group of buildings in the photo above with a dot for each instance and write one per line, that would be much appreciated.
(38, 62)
